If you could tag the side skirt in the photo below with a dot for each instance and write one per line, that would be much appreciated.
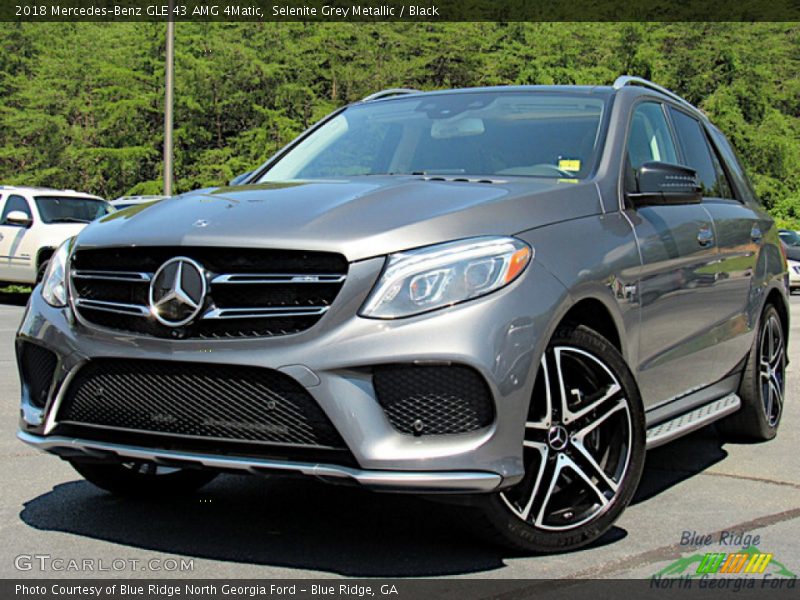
(696, 418)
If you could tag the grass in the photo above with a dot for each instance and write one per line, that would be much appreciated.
(15, 289)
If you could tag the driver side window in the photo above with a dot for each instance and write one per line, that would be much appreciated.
(649, 139)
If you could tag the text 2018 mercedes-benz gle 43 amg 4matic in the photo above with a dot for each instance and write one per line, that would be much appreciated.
(501, 294)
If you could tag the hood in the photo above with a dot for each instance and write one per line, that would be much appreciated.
(359, 217)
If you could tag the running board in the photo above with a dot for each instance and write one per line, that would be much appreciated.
(694, 419)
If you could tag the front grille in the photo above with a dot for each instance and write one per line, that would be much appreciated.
(250, 292)
(195, 400)
(433, 399)
(37, 365)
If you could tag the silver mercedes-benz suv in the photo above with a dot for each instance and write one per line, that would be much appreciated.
(501, 294)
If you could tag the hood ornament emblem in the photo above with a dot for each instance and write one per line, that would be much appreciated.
(177, 291)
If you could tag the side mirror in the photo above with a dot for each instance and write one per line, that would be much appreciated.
(239, 178)
(19, 219)
(659, 183)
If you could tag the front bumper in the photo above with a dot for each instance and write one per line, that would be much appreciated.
(394, 481)
(500, 336)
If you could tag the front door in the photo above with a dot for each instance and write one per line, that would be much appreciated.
(676, 287)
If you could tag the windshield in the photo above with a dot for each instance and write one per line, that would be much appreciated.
(790, 237)
(68, 209)
(531, 134)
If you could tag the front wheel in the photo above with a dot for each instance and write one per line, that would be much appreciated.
(140, 479)
(583, 450)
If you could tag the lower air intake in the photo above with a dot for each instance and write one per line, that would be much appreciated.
(37, 365)
(194, 400)
(433, 399)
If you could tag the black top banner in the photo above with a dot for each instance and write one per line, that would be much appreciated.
(340, 11)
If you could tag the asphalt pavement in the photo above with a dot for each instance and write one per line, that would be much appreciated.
(53, 524)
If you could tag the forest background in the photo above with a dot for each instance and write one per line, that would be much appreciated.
(81, 104)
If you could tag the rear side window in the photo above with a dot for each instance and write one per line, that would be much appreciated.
(15, 203)
(744, 189)
(698, 155)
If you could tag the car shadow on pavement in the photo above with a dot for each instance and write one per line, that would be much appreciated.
(280, 522)
(677, 461)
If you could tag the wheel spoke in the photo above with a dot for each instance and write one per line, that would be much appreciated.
(567, 462)
(535, 433)
(589, 467)
(777, 340)
(610, 408)
(554, 386)
(525, 511)
(765, 368)
(541, 499)
(544, 454)
(770, 339)
(544, 423)
(599, 410)
(775, 398)
(569, 416)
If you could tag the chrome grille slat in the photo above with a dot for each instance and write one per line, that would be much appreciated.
(255, 312)
(275, 278)
(114, 307)
(114, 276)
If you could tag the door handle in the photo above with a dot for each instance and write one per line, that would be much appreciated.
(705, 237)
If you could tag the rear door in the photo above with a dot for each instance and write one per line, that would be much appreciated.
(739, 230)
(16, 262)
(676, 287)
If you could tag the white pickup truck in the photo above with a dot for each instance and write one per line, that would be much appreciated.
(34, 222)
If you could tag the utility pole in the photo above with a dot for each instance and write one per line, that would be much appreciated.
(168, 82)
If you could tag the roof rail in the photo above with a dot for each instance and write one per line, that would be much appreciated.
(625, 80)
(389, 93)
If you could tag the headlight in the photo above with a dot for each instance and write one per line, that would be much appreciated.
(54, 282)
(420, 280)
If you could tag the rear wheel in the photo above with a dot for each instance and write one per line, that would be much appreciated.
(583, 450)
(143, 479)
(763, 384)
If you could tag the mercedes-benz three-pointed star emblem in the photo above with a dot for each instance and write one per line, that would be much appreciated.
(557, 437)
(177, 291)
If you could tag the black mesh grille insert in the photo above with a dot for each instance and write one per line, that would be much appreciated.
(282, 293)
(209, 401)
(37, 365)
(433, 399)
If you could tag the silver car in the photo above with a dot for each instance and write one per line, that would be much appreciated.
(500, 295)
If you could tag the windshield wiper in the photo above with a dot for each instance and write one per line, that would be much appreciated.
(69, 220)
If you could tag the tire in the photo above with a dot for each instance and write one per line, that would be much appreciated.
(600, 433)
(41, 271)
(143, 480)
(763, 384)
